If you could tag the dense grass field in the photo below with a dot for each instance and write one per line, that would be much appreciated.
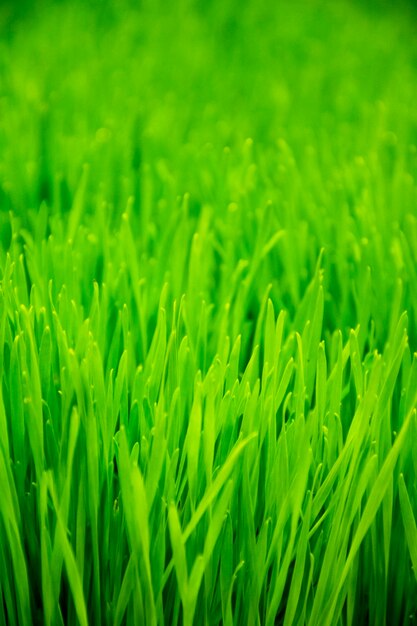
(208, 313)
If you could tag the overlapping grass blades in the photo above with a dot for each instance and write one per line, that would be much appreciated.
(185, 486)
(208, 381)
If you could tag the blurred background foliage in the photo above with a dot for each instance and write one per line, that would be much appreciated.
(235, 104)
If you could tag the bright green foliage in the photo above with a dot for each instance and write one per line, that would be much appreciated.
(208, 309)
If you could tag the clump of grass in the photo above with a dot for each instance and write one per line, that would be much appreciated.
(208, 380)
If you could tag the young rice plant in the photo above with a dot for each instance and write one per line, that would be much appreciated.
(208, 309)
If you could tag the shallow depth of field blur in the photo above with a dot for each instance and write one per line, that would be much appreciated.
(208, 312)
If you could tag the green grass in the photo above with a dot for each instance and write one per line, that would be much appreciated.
(208, 313)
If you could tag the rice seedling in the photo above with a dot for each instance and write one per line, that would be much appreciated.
(208, 313)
